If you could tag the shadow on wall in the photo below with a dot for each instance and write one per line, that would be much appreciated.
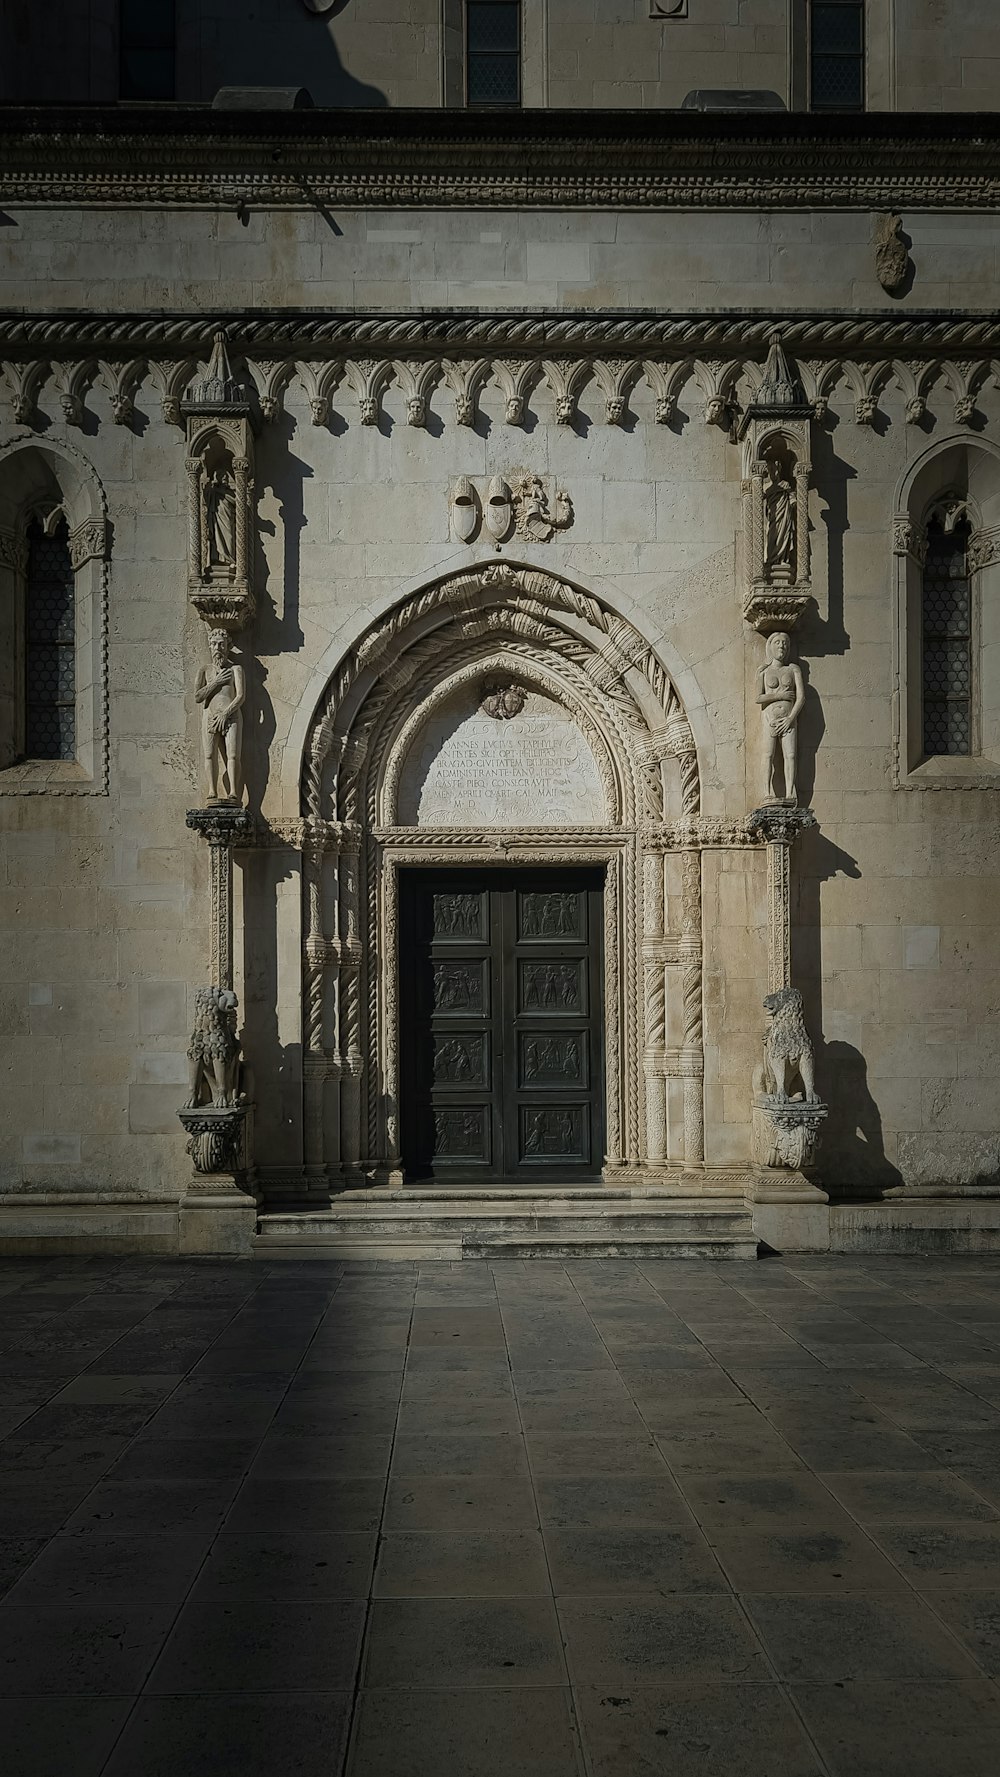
(291, 44)
(853, 1158)
(853, 1163)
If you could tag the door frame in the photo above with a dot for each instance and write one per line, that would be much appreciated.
(615, 853)
(505, 1094)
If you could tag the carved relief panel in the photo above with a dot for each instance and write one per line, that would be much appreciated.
(521, 504)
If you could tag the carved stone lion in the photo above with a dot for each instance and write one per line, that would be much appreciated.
(788, 1053)
(214, 1050)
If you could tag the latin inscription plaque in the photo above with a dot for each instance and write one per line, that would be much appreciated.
(467, 769)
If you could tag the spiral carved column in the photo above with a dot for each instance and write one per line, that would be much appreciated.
(692, 1048)
(654, 1008)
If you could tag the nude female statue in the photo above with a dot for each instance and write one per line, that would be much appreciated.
(223, 695)
(781, 695)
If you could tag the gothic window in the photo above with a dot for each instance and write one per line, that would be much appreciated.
(146, 49)
(49, 647)
(493, 52)
(837, 55)
(947, 642)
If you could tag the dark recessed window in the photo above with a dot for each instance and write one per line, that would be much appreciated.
(837, 55)
(493, 52)
(947, 642)
(50, 647)
(146, 49)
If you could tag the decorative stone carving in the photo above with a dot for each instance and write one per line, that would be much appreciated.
(781, 696)
(217, 1141)
(775, 429)
(221, 690)
(88, 542)
(865, 409)
(528, 505)
(892, 262)
(503, 701)
(786, 1121)
(214, 1050)
(786, 1137)
(219, 464)
(533, 515)
(788, 1052)
(223, 825)
(983, 550)
(498, 508)
(909, 538)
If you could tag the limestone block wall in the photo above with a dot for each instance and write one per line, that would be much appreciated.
(922, 55)
(105, 898)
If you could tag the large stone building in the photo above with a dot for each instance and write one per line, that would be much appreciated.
(500, 571)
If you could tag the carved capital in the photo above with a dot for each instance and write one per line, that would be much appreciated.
(780, 825)
(983, 550)
(217, 1140)
(785, 1134)
(222, 823)
(909, 538)
(88, 541)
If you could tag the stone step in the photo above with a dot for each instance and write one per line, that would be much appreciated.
(379, 1225)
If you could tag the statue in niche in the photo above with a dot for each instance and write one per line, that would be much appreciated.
(222, 692)
(779, 511)
(781, 695)
(220, 521)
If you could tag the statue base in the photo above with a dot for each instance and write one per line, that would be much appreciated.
(785, 1133)
(218, 1212)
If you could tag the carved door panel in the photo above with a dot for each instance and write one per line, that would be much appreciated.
(501, 1026)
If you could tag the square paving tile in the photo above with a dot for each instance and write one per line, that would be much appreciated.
(694, 1730)
(258, 1646)
(975, 1618)
(112, 1569)
(287, 1565)
(61, 1651)
(839, 1640)
(234, 1736)
(963, 1556)
(435, 1642)
(616, 1643)
(929, 1496)
(47, 1737)
(266, 1503)
(620, 1561)
(460, 1502)
(796, 1559)
(603, 1500)
(474, 1733)
(918, 1729)
(462, 1564)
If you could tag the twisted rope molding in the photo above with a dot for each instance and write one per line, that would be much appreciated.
(919, 331)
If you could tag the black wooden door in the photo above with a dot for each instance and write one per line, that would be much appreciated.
(501, 1026)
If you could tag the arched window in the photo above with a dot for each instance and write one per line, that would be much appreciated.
(49, 645)
(53, 623)
(947, 640)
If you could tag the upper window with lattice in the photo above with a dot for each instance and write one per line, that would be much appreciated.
(493, 52)
(837, 55)
(49, 646)
(947, 641)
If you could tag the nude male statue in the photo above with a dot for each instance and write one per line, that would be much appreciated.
(223, 694)
(781, 695)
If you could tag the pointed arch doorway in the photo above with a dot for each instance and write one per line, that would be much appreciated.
(500, 721)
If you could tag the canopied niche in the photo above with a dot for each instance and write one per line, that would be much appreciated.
(500, 715)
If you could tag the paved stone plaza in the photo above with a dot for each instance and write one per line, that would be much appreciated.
(522, 1519)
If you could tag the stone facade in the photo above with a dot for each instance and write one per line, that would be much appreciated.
(681, 426)
(921, 55)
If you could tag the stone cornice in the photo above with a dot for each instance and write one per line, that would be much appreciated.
(634, 334)
(192, 155)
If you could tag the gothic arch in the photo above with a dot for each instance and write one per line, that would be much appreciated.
(53, 482)
(570, 647)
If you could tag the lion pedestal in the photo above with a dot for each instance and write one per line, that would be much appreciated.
(787, 1121)
(218, 1212)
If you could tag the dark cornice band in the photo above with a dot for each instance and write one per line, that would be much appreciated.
(193, 155)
